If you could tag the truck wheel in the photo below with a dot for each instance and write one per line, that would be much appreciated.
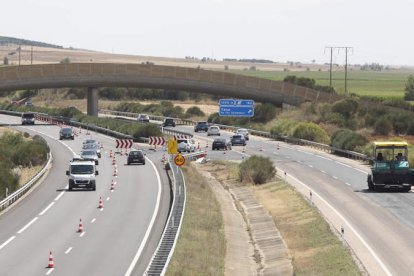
(371, 186)
(70, 188)
(94, 187)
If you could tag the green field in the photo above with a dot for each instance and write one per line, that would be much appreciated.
(384, 84)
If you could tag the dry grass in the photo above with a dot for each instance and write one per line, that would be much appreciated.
(313, 246)
(201, 246)
(28, 173)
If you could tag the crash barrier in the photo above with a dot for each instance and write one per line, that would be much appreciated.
(9, 200)
(168, 241)
(266, 134)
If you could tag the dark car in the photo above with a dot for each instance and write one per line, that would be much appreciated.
(143, 118)
(201, 126)
(221, 143)
(28, 119)
(66, 133)
(136, 156)
(238, 140)
(168, 122)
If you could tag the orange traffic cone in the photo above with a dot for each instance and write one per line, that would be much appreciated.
(112, 186)
(261, 148)
(114, 161)
(51, 264)
(80, 229)
(243, 150)
(115, 172)
(277, 146)
(100, 206)
(225, 149)
(207, 145)
(198, 147)
(110, 153)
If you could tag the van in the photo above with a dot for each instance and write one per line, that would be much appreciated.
(28, 119)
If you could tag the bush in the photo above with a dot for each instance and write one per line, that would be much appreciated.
(256, 169)
(264, 113)
(194, 111)
(348, 140)
(311, 132)
(335, 118)
(383, 126)
(346, 107)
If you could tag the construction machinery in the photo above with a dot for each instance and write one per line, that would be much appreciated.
(390, 169)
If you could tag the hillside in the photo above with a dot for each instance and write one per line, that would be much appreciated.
(4, 40)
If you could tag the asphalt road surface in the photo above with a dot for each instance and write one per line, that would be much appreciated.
(379, 226)
(118, 239)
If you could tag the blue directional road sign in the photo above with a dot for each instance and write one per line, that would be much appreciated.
(236, 108)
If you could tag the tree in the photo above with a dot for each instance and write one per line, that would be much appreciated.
(65, 61)
(6, 61)
(409, 89)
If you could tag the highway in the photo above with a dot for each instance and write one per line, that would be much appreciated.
(118, 239)
(378, 226)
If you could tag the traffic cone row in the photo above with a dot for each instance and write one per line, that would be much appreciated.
(112, 186)
(110, 153)
(115, 172)
(114, 161)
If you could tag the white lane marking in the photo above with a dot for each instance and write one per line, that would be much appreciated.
(69, 249)
(322, 171)
(7, 242)
(347, 184)
(47, 208)
(329, 159)
(108, 198)
(383, 266)
(310, 166)
(82, 234)
(335, 177)
(59, 196)
(93, 220)
(50, 271)
(360, 170)
(101, 209)
(27, 225)
(304, 152)
(151, 225)
(343, 164)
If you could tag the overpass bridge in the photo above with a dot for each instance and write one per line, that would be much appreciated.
(95, 75)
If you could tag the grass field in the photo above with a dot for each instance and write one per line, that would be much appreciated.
(315, 250)
(201, 245)
(384, 84)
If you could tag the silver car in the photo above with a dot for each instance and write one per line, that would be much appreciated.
(244, 132)
(187, 145)
(89, 155)
(95, 147)
(213, 130)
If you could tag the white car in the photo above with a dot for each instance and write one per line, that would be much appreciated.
(244, 132)
(187, 145)
(213, 130)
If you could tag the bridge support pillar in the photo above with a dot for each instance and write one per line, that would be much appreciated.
(92, 101)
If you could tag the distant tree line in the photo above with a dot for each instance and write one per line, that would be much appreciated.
(308, 82)
(249, 60)
(4, 40)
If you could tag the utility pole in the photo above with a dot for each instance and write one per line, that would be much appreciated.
(31, 55)
(20, 50)
(346, 64)
(346, 67)
(330, 67)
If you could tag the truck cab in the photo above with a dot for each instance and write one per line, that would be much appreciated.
(390, 169)
(82, 174)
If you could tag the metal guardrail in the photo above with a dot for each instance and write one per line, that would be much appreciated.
(266, 134)
(20, 192)
(166, 246)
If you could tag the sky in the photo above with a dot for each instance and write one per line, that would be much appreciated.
(279, 30)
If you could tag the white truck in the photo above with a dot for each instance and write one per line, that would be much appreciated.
(82, 174)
